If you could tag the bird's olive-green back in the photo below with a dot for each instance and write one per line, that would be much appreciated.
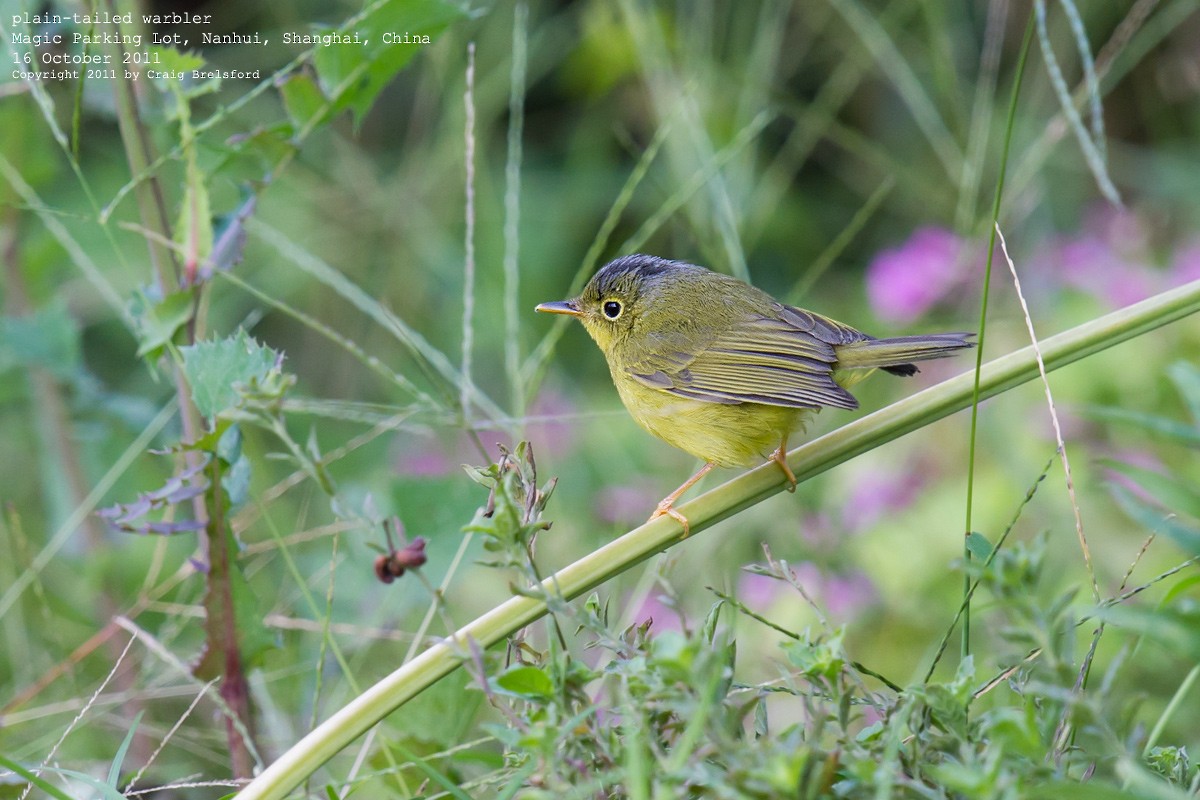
(702, 335)
(720, 369)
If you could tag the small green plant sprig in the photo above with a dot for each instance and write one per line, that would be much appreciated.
(651, 712)
(512, 517)
(659, 713)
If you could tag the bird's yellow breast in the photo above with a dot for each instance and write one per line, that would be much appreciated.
(734, 435)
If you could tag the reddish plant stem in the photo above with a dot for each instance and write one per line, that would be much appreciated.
(222, 627)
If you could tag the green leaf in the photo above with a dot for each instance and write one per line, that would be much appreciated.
(194, 228)
(1180, 432)
(303, 100)
(211, 441)
(431, 772)
(251, 155)
(49, 788)
(1148, 786)
(171, 60)
(235, 478)
(1180, 588)
(47, 338)
(1186, 378)
(524, 681)
(817, 657)
(1171, 493)
(215, 368)
(236, 482)
(761, 726)
(1177, 629)
(979, 545)
(1171, 763)
(1152, 519)
(158, 321)
(352, 75)
(114, 770)
(709, 630)
(674, 653)
(178, 62)
(229, 444)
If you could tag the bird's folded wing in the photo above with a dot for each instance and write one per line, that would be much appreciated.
(782, 361)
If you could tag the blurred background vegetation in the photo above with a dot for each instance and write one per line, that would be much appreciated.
(842, 155)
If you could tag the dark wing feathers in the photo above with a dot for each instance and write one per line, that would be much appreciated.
(825, 329)
(786, 360)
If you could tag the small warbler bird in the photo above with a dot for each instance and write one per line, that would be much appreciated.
(722, 370)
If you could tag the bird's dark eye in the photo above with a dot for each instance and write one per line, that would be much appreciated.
(611, 309)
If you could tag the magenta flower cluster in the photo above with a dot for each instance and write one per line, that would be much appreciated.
(1115, 257)
(905, 282)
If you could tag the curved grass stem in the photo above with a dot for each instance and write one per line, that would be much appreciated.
(810, 459)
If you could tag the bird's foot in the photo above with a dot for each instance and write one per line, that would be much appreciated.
(664, 507)
(665, 510)
(780, 458)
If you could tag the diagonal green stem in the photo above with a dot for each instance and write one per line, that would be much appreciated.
(810, 459)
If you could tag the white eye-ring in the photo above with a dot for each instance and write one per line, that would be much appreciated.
(612, 308)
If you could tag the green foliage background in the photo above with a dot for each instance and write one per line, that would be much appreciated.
(789, 144)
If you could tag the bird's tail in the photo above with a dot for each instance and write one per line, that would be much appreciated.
(895, 355)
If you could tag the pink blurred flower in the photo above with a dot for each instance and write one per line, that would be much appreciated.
(819, 532)
(1185, 266)
(422, 456)
(663, 616)
(549, 429)
(626, 504)
(846, 596)
(1121, 228)
(1091, 264)
(1113, 258)
(840, 596)
(905, 282)
(759, 591)
(877, 492)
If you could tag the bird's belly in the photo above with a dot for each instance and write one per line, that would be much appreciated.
(728, 435)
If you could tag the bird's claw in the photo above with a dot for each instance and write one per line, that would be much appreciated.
(780, 458)
(665, 510)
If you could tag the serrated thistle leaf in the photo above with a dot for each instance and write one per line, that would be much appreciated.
(215, 368)
(172, 61)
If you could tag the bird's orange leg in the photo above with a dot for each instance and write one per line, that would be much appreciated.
(780, 458)
(664, 507)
